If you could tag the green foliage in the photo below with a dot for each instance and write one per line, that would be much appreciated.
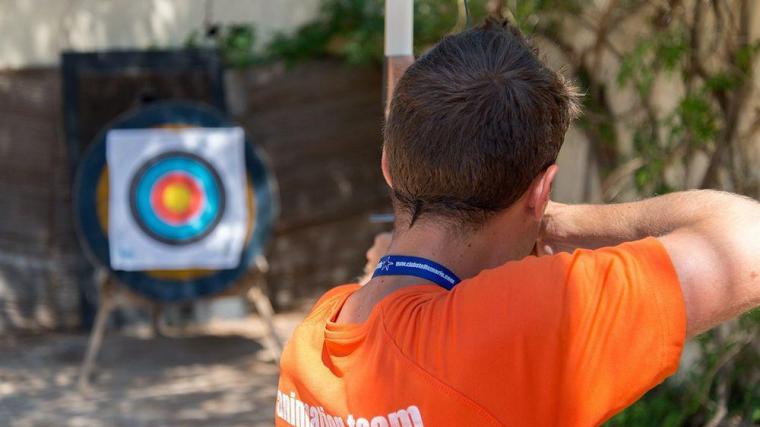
(670, 49)
(696, 120)
(235, 42)
(350, 30)
(697, 116)
(310, 41)
(722, 81)
(345, 28)
(637, 67)
(353, 30)
(663, 51)
(744, 56)
(656, 410)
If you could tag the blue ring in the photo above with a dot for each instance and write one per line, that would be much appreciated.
(145, 215)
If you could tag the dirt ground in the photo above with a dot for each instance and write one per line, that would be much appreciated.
(219, 376)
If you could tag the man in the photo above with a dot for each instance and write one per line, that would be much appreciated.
(460, 325)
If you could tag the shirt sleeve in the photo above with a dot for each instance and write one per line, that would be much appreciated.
(569, 339)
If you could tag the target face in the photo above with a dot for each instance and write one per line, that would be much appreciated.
(177, 198)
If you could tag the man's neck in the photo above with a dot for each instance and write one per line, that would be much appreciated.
(466, 254)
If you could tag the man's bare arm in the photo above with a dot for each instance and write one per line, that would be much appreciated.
(713, 239)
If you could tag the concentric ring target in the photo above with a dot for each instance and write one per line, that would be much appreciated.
(177, 198)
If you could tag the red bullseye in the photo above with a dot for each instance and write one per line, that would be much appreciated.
(176, 198)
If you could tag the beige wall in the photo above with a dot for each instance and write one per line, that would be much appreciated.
(34, 32)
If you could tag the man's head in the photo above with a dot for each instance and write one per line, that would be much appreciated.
(474, 126)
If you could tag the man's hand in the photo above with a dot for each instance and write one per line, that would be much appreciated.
(555, 228)
(545, 243)
(378, 249)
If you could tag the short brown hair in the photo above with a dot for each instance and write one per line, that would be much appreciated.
(472, 123)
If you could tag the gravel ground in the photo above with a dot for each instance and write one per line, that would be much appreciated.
(218, 376)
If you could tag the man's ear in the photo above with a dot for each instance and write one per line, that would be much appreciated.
(384, 166)
(540, 190)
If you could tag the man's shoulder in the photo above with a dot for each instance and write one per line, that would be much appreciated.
(329, 298)
(337, 292)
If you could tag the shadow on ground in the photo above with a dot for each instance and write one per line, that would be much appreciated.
(202, 380)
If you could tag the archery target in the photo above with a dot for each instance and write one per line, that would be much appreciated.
(92, 206)
(177, 198)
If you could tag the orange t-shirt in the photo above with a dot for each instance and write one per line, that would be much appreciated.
(567, 340)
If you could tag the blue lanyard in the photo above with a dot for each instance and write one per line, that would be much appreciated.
(400, 265)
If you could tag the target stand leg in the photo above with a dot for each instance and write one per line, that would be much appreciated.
(156, 323)
(106, 305)
(264, 307)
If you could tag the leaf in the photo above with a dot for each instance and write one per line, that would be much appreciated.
(698, 118)
(722, 82)
(744, 56)
(670, 49)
